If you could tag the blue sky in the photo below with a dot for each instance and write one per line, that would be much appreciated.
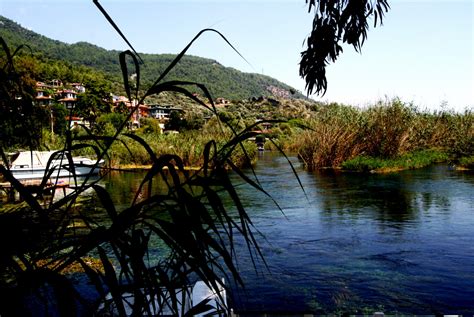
(424, 52)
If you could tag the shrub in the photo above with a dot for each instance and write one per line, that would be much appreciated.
(411, 160)
(149, 126)
(467, 162)
(114, 119)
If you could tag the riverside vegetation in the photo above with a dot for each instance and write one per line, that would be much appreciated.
(384, 137)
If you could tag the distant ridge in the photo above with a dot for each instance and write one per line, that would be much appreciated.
(221, 81)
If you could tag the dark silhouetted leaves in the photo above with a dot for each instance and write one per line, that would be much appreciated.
(335, 22)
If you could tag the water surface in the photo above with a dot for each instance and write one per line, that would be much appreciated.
(352, 243)
(400, 242)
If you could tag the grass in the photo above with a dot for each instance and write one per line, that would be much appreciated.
(412, 160)
(188, 145)
(466, 162)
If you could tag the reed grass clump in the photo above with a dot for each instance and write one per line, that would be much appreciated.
(448, 130)
(189, 145)
(385, 131)
(388, 128)
(333, 136)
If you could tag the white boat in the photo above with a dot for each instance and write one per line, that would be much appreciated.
(34, 165)
(161, 304)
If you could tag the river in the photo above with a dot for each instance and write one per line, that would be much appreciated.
(352, 243)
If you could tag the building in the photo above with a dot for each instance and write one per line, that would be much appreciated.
(47, 93)
(56, 83)
(43, 97)
(78, 87)
(143, 110)
(67, 97)
(74, 122)
(222, 101)
(162, 113)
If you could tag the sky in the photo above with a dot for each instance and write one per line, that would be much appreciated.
(423, 54)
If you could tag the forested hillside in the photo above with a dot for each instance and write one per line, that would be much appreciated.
(221, 81)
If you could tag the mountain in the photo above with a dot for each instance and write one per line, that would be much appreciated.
(221, 81)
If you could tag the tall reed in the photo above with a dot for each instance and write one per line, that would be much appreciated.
(386, 130)
(333, 136)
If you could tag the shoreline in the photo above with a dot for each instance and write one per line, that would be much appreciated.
(145, 167)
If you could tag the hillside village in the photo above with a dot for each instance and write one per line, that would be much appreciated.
(68, 95)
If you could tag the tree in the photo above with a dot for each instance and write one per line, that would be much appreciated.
(193, 120)
(59, 117)
(22, 118)
(121, 108)
(336, 21)
(175, 121)
(95, 101)
(113, 119)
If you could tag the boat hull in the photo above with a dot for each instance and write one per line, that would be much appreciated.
(40, 173)
(42, 164)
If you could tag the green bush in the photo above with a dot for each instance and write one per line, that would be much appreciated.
(406, 161)
(114, 119)
(467, 162)
(149, 126)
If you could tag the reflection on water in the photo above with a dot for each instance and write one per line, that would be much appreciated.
(354, 243)
(124, 187)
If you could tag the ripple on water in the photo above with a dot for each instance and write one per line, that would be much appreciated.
(400, 242)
